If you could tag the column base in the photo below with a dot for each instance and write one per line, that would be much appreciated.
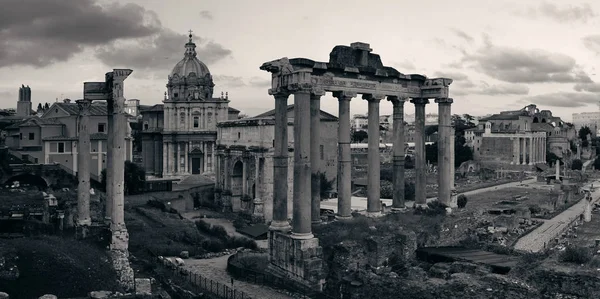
(316, 222)
(399, 210)
(125, 274)
(297, 261)
(374, 214)
(280, 226)
(120, 239)
(343, 218)
(302, 236)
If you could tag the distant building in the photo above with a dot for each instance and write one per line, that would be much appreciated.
(132, 107)
(587, 119)
(24, 103)
(246, 147)
(52, 138)
(359, 122)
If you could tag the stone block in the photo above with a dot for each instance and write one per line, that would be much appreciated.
(184, 255)
(4, 295)
(100, 294)
(48, 296)
(143, 286)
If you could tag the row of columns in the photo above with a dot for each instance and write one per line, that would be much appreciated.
(172, 153)
(173, 122)
(306, 205)
(529, 150)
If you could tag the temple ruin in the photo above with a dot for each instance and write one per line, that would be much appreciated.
(350, 71)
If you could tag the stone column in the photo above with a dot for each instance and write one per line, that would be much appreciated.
(83, 167)
(544, 149)
(109, 157)
(444, 131)
(244, 175)
(315, 151)
(452, 160)
(531, 151)
(344, 167)
(399, 153)
(301, 221)
(117, 172)
(166, 117)
(524, 150)
(186, 146)
(373, 156)
(420, 175)
(280, 164)
(165, 158)
(213, 157)
(516, 152)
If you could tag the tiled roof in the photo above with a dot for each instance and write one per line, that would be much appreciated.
(97, 109)
(233, 110)
(154, 108)
(543, 127)
(34, 122)
(506, 115)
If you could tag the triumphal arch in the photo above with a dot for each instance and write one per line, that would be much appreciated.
(353, 70)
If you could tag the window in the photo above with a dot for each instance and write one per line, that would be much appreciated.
(196, 122)
(175, 95)
(61, 147)
(182, 117)
(239, 135)
(209, 117)
(20, 136)
(31, 136)
(101, 128)
(321, 150)
(146, 126)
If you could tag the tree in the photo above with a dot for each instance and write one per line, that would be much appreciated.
(584, 132)
(359, 136)
(469, 119)
(408, 163)
(430, 130)
(431, 153)
(576, 164)
(242, 115)
(551, 158)
(46, 106)
(462, 152)
(597, 164)
(135, 178)
(39, 107)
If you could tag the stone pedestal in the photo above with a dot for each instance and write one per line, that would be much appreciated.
(120, 240)
(299, 260)
(258, 214)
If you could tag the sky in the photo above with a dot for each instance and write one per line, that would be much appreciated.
(501, 54)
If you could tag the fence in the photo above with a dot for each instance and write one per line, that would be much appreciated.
(203, 284)
(268, 279)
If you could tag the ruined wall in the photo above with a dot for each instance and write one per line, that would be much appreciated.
(496, 149)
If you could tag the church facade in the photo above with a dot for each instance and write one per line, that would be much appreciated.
(179, 136)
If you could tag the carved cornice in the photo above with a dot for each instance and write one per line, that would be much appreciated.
(300, 88)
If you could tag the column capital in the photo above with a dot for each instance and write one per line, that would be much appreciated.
(373, 97)
(419, 101)
(344, 95)
(317, 92)
(84, 106)
(279, 95)
(444, 101)
(396, 100)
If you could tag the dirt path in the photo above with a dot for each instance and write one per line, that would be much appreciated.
(215, 269)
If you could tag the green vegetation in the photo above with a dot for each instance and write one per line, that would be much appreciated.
(576, 255)
(576, 164)
(461, 201)
(135, 179)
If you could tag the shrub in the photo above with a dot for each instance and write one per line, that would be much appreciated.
(535, 209)
(576, 255)
(213, 245)
(387, 190)
(153, 203)
(576, 164)
(434, 208)
(235, 242)
(597, 163)
(461, 201)
(211, 230)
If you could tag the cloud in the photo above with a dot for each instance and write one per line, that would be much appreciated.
(160, 51)
(229, 81)
(452, 75)
(590, 87)
(567, 14)
(564, 99)
(592, 42)
(463, 35)
(463, 86)
(525, 65)
(205, 14)
(405, 65)
(503, 89)
(260, 82)
(55, 30)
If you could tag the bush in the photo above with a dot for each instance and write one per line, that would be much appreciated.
(213, 245)
(211, 230)
(461, 201)
(434, 208)
(235, 242)
(576, 164)
(535, 209)
(576, 255)
(597, 163)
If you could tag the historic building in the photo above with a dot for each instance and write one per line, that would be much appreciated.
(587, 119)
(245, 160)
(53, 137)
(179, 136)
(520, 137)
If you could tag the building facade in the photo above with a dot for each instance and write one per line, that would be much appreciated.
(52, 138)
(245, 160)
(179, 136)
(587, 119)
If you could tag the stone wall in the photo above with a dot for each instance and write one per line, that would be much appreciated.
(496, 149)
(582, 283)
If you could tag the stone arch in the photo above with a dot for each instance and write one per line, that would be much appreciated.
(30, 179)
(236, 178)
(536, 120)
(543, 120)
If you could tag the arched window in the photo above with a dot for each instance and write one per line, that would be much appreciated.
(146, 126)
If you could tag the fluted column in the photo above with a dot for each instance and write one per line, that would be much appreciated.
(116, 174)
(344, 167)
(444, 131)
(280, 165)
(420, 175)
(452, 169)
(398, 156)
(315, 149)
(83, 167)
(373, 156)
(524, 150)
(301, 221)
(530, 150)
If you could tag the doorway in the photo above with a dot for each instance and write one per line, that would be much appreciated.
(196, 163)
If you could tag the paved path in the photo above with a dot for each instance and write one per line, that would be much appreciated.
(552, 228)
(360, 203)
(215, 269)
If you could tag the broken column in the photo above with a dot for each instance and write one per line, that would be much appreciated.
(83, 165)
(557, 172)
(587, 212)
(280, 164)
(444, 151)
(399, 153)
(420, 167)
(315, 150)
(344, 169)
(373, 157)
(116, 174)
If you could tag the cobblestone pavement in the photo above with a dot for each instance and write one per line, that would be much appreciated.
(215, 269)
(552, 228)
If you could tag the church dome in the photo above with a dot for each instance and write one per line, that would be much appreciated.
(190, 63)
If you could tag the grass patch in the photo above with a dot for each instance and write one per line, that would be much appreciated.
(54, 265)
(576, 255)
(219, 235)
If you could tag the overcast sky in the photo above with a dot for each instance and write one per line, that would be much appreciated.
(501, 54)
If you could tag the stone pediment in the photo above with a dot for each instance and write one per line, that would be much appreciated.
(196, 150)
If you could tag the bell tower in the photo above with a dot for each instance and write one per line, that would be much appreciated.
(24, 103)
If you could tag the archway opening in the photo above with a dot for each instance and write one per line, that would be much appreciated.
(536, 120)
(28, 179)
(236, 178)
